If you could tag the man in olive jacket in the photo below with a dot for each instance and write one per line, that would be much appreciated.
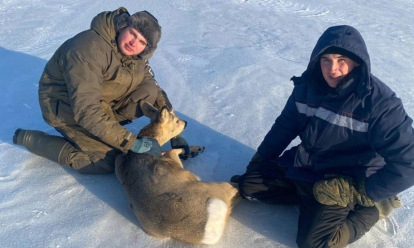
(356, 151)
(92, 86)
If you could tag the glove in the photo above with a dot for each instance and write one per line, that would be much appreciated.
(342, 191)
(179, 142)
(254, 162)
(147, 146)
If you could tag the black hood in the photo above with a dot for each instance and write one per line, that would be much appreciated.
(349, 39)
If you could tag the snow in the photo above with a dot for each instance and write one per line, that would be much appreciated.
(225, 65)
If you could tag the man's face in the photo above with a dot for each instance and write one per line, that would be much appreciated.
(131, 42)
(335, 67)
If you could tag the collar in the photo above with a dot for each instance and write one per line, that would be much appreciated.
(147, 146)
(347, 85)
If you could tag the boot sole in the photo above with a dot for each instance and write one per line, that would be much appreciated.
(16, 133)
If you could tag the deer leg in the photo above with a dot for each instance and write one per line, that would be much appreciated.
(173, 154)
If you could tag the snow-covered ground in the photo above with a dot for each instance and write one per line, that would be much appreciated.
(225, 65)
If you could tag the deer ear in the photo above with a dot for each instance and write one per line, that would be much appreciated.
(165, 114)
(149, 111)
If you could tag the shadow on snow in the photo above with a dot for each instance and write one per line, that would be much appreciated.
(222, 158)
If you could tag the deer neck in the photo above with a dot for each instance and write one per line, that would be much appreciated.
(149, 132)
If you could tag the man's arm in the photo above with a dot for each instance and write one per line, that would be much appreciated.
(162, 98)
(84, 77)
(283, 131)
(392, 136)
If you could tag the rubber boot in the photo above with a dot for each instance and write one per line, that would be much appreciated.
(52, 147)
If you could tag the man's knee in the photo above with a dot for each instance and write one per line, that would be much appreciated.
(95, 168)
(86, 155)
(309, 243)
(333, 226)
(85, 163)
(251, 184)
(335, 239)
(146, 92)
(276, 189)
(361, 220)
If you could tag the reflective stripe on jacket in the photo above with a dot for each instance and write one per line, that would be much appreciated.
(360, 129)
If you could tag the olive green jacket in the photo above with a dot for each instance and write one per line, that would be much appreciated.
(86, 75)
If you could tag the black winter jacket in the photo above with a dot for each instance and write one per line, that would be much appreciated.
(360, 129)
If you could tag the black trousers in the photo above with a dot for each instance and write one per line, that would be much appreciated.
(319, 225)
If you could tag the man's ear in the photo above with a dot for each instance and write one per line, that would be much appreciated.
(165, 114)
(149, 110)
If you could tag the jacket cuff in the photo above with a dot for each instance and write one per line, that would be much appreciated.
(128, 141)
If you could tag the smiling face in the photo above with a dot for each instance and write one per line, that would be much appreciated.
(131, 42)
(335, 67)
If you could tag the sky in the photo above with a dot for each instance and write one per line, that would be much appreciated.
(225, 65)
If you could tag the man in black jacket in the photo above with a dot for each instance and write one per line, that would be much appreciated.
(356, 151)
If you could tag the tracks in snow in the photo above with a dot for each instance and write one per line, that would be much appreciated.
(304, 10)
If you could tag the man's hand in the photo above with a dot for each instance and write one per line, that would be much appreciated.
(147, 146)
(254, 162)
(342, 191)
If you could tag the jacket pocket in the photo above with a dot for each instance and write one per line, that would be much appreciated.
(302, 158)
